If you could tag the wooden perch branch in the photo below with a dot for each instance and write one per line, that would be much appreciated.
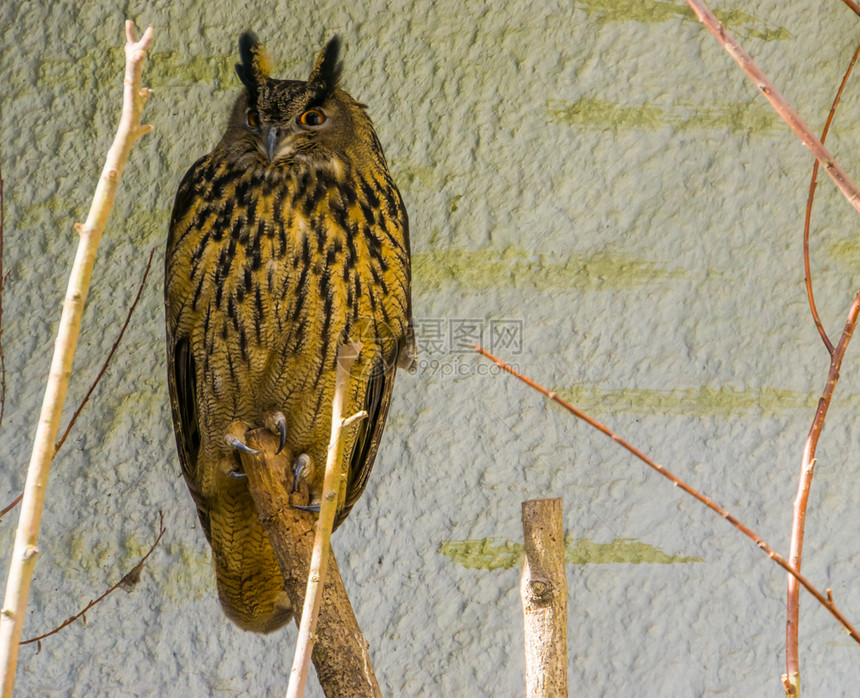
(26, 551)
(543, 589)
(826, 601)
(340, 652)
(778, 102)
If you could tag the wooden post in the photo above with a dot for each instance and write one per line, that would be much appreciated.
(544, 593)
(340, 654)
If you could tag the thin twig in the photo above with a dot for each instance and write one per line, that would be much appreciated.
(9, 507)
(783, 108)
(791, 679)
(810, 198)
(2, 287)
(854, 6)
(25, 551)
(771, 553)
(110, 353)
(101, 373)
(332, 485)
(129, 580)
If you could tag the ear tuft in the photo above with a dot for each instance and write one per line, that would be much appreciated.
(326, 73)
(255, 67)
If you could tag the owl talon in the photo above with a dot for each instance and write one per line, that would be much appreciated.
(276, 422)
(312, 507)
(302, 462)
(236, 474)
(235, 443)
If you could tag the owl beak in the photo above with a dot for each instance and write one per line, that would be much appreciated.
(272, 142)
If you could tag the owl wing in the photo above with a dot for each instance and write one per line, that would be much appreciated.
(376, 401)
(181, 370)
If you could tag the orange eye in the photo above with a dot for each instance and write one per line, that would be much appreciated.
(312, 117)
(252, 118)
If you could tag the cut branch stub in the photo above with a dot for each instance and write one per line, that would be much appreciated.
(544, 594)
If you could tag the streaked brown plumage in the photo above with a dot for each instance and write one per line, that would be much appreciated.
(288, 240)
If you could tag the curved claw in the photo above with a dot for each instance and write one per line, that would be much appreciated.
(237, 444)
(303, 462)
(281, 423)
(315, 508)
(236, 475)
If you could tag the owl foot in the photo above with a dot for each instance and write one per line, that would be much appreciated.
(277, 423)
(313, 507)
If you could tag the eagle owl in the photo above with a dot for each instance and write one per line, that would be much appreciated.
(287, 241)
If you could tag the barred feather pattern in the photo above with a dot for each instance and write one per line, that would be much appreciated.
(268, 271)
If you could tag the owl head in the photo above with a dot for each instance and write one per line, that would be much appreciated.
(281, 122)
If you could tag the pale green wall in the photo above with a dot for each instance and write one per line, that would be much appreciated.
(603, 174)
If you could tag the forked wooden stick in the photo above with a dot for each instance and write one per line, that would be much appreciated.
(26, 551)
(346, 356)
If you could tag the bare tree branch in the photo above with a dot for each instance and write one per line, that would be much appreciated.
(854, 6)
(543, 589)
(99, 376)
(340, 652)
(791, 678)
(809, 199)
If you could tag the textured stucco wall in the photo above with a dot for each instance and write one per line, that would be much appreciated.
(602, 175)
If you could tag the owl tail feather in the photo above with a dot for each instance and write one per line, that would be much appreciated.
(249, 581)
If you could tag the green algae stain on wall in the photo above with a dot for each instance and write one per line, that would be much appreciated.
(484, 553)
(483, 269)
(656, 11)
(604, 115)
(846, 252)
(753, 117)
(500, 553)
(582, 551)
(706, 401)
(172, 69)
(143, 227)
(98, 69)
(179, 572)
